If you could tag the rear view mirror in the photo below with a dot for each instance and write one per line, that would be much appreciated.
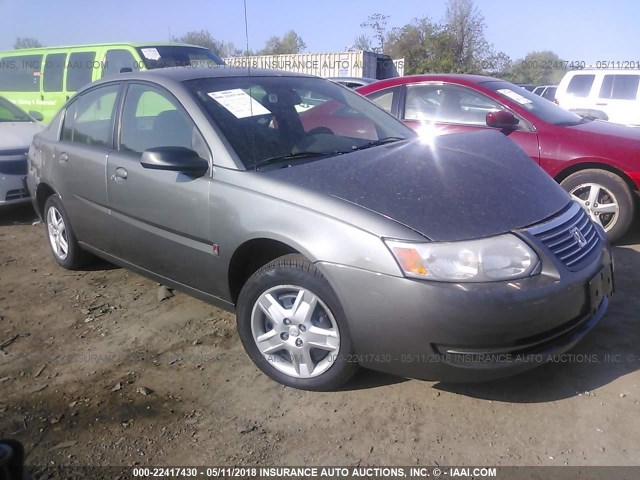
(36, 115)
(177, 159)
(502, 119)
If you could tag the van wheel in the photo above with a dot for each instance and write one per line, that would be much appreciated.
(293, 327)
(605, 197)
(62, 240)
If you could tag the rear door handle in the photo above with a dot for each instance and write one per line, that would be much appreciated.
(602, 104)
(121, 173)
(64, 157)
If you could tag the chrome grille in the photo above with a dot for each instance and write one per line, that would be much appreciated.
(571, 236)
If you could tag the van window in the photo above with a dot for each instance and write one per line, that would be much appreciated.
(115, 60)
(53, 72)
(620, 87)
(92, 117)
(580, 85)
(20, 73)
(79, 70)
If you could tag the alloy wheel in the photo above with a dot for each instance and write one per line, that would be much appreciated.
(295, 331)
(599, 202)
(57, 233)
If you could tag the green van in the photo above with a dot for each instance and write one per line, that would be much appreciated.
(43, 79)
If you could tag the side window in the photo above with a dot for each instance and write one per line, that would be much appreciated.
(115, 60)
(449, 104)
(53, 72)
(79, 70)
(550, 93)
(384, 99)
(89, 120)
(20, 73)
(620, 87)
(152, 118)
(580, 85)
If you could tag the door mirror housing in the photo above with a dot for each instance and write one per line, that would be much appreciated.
(36, 115)
(502, 119)
(176, 159)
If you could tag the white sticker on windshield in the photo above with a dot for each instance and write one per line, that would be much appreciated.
(240, 103)
(151, 53)
(514, 96)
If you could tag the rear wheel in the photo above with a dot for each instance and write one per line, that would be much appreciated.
(292, 326)
(62, 240)
(605, 197)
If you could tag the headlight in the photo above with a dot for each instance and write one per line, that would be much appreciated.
(504, 257)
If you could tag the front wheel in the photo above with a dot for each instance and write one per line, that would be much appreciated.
(292, 326)
(605, 197)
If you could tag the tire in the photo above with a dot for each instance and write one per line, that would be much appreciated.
(608, 189)
(60, 233)
(283, 308)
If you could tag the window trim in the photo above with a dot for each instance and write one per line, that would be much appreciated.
(118, 123)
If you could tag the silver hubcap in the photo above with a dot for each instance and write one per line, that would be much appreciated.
(295, 331)
(57, 233)
(598, 202)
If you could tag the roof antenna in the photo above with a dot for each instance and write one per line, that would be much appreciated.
(246, 35)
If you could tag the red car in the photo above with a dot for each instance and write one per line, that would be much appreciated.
(595, 161)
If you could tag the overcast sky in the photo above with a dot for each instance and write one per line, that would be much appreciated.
(580, 30)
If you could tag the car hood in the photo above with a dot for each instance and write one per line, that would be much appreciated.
(461, 187)
(596, 128)
(18, 135)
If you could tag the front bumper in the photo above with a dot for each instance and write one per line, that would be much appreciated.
(13, 189)
(469, 332)
(13, 177)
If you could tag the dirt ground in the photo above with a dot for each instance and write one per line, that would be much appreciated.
(103, 373)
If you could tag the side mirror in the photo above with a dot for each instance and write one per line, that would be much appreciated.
(502, 119)
(177, 159)
(36, 115)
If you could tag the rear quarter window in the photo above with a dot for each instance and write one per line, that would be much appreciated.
(620, 87)
(580, 85)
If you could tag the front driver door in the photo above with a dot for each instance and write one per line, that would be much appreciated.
(436, 109)
(162, 217)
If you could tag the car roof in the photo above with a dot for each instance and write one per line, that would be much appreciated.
(170, 75)
(101, 45)
(435, 77)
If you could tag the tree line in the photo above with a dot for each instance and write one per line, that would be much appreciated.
(454, 44)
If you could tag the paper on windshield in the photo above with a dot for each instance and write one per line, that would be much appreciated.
(239, 103)
(151, 53)
(514, 96)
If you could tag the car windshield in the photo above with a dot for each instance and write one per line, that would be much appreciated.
(269, 119)
(10, 113)
(540, 107)
(178, 56)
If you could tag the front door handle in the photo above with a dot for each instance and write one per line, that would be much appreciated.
(602, 104)
(121, 173)
(64, 157)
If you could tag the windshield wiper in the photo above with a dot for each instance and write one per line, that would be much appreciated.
(378, 142)
(293, 156)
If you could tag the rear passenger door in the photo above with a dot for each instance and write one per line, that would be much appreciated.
(80, 161)
(162, 217)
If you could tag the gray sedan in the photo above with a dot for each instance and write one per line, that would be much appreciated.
(338, 236)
